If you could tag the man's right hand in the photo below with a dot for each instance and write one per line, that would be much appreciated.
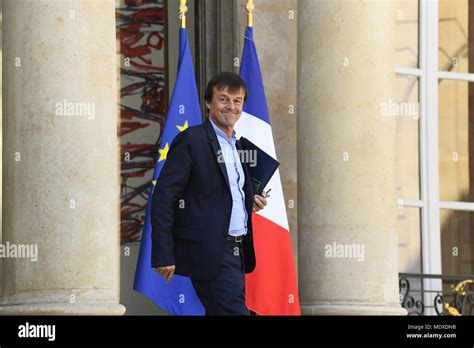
(167, 272)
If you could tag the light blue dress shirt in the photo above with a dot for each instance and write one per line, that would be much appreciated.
(235, 173)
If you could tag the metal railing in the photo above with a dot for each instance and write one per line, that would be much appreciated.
(454, 294)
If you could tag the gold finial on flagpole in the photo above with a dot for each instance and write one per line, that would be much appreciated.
(250, 7)
(182, 13)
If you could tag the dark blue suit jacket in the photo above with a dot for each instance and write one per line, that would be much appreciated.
(191, 207)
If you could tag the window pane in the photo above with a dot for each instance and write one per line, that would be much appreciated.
(455, 173)
(457, 241)
(409, 240)
(406, 112)
(455, 35)
(406, 23)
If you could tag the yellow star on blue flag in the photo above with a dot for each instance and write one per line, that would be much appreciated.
(163, 153)
(183, 127)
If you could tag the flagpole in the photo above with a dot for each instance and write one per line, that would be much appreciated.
(182, 13)
(250, 7)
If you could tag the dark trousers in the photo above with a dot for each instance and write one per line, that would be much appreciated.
(225, 295)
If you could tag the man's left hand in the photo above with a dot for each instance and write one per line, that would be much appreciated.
(259, 202)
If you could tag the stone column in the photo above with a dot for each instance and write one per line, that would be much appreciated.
(61, 155)
(346, 158)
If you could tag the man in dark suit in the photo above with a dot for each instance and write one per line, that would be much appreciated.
(202, 205)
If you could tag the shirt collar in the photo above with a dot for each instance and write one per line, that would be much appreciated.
(220, 132)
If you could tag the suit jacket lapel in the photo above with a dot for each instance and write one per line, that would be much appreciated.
(248, 187)
(244, 165)
(216, 149)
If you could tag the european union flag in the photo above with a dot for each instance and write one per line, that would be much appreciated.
(178, 296)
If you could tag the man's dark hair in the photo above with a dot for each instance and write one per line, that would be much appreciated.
(224, 80)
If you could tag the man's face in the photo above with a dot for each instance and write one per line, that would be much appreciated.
(226, 108)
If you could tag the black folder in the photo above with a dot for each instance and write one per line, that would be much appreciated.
(262, 168)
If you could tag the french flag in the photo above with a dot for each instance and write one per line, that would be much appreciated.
(271, 289)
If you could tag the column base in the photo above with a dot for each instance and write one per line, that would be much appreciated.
(348, 308)
(64, 309)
